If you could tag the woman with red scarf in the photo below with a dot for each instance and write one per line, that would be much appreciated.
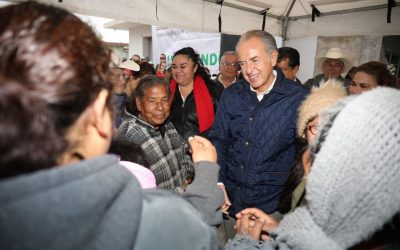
(194, 95)
(160, 72)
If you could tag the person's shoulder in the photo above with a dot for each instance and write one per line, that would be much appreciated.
(312, 81)
(215, 87)
(129, 123)
(133, 130)
(170, 128)
(237, 87)
(174, 207)
(216, 79)
(293, 86)
(165, 210)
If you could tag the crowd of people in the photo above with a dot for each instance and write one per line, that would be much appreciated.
(96, 153)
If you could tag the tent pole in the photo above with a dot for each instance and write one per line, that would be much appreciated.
(285, 22)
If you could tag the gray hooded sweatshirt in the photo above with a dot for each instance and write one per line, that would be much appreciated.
(97, 204)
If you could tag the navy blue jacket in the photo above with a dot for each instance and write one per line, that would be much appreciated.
(255, 142)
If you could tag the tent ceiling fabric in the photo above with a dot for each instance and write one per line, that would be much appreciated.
(241, 15)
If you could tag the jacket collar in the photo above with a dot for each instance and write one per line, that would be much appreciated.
(281, 86)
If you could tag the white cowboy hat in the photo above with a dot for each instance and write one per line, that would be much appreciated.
(131, 65)
(335, 53)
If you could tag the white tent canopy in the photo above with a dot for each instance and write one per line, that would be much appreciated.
(286, 18)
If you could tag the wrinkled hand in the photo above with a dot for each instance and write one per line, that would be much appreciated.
(202, 149)
(227, 203)
(255, 223)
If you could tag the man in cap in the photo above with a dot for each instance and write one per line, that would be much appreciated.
(333, 64)
(119, 77)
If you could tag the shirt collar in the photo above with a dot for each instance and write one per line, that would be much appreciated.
(220, 80)
(260, 96)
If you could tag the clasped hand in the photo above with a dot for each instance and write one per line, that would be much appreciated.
(255, 223)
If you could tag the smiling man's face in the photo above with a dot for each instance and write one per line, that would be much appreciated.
(256, 63)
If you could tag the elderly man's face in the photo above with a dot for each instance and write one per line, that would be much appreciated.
(229, 66)
(155, 106)
(332, 68)
(256, 63)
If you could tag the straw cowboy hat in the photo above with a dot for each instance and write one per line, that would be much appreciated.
(336, 53)
(116, 62)
(131, 65)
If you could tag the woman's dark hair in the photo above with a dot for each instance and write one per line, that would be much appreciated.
(144, 83)
(350, 74)
(53, 67)
(380, 73)
(129, 151)
(145, 69)
(192, 55)
(294, 179)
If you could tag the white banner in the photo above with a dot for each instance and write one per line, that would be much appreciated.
(168, 41)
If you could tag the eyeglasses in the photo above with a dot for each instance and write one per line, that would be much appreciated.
(227, 64)
(313, 129)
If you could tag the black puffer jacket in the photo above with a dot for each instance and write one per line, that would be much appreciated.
(184, 114)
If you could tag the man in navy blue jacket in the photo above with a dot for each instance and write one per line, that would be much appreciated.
(254, 128)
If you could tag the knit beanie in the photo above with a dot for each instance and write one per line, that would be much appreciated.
(319, 99)
(353, 188)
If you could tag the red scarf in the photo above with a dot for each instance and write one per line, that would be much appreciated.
(203, 101)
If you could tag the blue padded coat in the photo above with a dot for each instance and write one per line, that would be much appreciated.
(255, 141)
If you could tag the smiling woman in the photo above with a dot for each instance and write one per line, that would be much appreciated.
(194, 95)
(371, 75)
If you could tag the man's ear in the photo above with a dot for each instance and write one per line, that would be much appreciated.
(274, 57)
(296, 68)
(138, 104)
(100, 113)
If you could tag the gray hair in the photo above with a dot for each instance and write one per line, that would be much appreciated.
(148, 82)
(267, 39)
(229, 52)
